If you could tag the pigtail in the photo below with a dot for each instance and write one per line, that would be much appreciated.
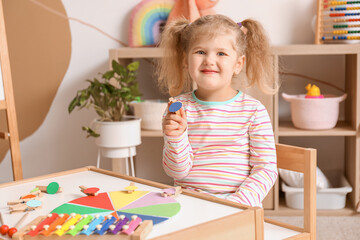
(170, 70)
(259, 61)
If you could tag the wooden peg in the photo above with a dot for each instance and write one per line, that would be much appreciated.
(93, 191)
(131, 188)
(24, 207)
(37, 193)
(52, 188)
(25, 200)
(171, 192)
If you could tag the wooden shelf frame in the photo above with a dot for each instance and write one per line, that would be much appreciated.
(349, 128)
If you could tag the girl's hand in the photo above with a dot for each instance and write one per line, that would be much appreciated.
(174, 124)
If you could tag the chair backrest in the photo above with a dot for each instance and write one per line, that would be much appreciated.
(302, 160)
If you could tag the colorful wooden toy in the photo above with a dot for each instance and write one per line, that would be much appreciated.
(131, 188)
(76, 226)
(171, 192)
(93, 191)
(330, 14)
(52, 188)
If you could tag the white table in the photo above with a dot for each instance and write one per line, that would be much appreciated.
(193, 211)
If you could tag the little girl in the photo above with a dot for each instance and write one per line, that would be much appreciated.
(222, 141)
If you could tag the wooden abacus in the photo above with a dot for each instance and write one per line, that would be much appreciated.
(65, 226)
(337, 21)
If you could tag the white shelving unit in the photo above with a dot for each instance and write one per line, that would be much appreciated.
(349, 128)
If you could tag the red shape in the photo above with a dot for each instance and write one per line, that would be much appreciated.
(102, 200)
(91, 190)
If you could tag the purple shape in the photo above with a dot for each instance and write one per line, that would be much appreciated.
(149, 199)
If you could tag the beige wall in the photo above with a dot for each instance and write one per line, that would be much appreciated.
(39, 47)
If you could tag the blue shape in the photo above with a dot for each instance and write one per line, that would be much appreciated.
(105, 226)
(155, 219)
(175, 107)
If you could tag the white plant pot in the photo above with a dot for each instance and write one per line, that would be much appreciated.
(150, 112)
(118, 139)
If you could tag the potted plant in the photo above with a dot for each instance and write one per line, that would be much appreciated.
(116, 133)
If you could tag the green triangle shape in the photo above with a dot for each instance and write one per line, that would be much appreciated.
(160, 210)
(72, 208)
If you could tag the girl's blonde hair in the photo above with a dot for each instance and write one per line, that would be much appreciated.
(178, 36)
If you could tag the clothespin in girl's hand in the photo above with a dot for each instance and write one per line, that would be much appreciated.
(174, 106)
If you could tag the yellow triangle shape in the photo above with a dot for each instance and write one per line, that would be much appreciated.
(122, 198)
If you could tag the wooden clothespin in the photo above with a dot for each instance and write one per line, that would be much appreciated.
(131, 188)
(25, 207)
(52, 188)
(31, 195)
(174, 106)
(171, 192)
(23, 200)
(93, 191)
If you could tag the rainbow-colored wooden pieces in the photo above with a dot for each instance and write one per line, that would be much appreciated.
(131, 188)
(146, 21)
(332, 12)
(88, 229)
(75, 229)
(92, 191)
(51, 188)
(48, 229)
(115, 228)
(102, 228)
(35, 229)
(313, 91)
(63, 226)
(171, 192)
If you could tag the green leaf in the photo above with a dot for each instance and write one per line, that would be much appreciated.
(108, 75)
(91, 133)
(133, 66)
(118, 68)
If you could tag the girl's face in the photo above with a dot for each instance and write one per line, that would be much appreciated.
(212, 63)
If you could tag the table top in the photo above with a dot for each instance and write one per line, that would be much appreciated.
(193, 210)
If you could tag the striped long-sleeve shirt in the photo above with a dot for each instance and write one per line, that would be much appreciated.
(227, 150)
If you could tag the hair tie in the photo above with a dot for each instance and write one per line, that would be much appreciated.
(242, 28)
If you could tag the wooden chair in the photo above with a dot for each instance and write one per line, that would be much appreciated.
(301, 160)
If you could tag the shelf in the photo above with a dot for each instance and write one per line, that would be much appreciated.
(313, 49)
(285, 50)
(149, 133)
(341, 129)
(283, 210)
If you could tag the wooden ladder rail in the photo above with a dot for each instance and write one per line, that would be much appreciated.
(8, 104)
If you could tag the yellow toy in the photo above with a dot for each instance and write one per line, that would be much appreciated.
(313, 91)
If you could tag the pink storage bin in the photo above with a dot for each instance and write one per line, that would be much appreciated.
(314, 113)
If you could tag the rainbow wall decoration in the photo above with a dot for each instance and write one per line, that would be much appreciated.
(145, 21)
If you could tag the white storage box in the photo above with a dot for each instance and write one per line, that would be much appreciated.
(326, 198)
